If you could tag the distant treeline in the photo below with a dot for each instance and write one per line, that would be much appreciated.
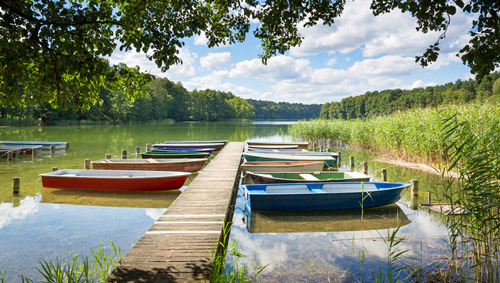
(284, 110)
(163, 99)
(385, 102)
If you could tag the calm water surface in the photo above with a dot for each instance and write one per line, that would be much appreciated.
(43, 224)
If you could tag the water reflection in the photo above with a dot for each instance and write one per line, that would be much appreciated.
(386, 217)
(18, 210)
(161, 199)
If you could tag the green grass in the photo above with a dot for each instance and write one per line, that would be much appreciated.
(75, 268)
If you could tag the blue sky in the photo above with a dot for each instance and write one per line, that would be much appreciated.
(359, 53)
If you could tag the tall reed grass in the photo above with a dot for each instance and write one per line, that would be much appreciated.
(414, 134)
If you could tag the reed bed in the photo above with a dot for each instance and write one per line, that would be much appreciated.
(412, 135)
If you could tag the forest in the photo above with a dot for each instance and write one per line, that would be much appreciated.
(385, 102)
(161, 100)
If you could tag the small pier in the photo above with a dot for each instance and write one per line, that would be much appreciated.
(179, 245)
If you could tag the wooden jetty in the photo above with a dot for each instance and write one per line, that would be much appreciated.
(179, 245)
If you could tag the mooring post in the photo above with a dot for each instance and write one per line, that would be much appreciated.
(52, 149)
(148, 147)
(339, 157)
(10, 155)
(414, 194)
(107, 156)
(384, 174)
(365, 167)
(86, 164)
(124, 154)
(16, 187)
(351, 163)
(429, 198)
(67, 145)
(54, 169)
(137, 150)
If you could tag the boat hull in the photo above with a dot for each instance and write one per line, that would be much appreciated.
(179, 165)
(164, 155)
(321, 177)
(45, 145)
(315, 197)
(115, 180)
(330, 162)
(216, 146)
(303, 145)
(282, 166)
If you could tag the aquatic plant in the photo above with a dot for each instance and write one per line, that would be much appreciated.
(74, 268)
(413, 134)
(223, 272)
(473, 150)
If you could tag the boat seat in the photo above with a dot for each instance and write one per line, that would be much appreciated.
(308, 177)
(288, 189)
(348, 188)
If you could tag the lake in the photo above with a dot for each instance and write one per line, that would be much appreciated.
(43, 224)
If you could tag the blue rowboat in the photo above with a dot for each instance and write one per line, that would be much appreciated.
(45, 145)
(163, 149)
(322, 196)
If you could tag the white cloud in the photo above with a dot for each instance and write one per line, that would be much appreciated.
(215, 60)
(132, 59)
(331, 62)
(278, 68)
(200, 39)
(385, 66)
(392, 33)
(419, 84)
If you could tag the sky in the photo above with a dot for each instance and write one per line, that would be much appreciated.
(358, 53)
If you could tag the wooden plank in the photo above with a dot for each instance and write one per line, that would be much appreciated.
(179, 245)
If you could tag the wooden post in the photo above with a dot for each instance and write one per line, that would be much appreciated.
(429, 198)
(339, 156)
(54, 169)
(10, 155)
(384, 174)
(148, 147)
(365, 167)
(137, 150)
(67, 145)
(107, 156)
(16, 187)
(52, 149)
(414, 194)
(351, 163)
(124, 154)
(320, 148)
(33, 154)
(86, 165)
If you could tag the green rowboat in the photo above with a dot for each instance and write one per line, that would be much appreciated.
(315, 177)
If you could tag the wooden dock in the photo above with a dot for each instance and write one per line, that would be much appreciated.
(179, 245)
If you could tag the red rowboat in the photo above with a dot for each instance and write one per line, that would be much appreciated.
(181, 165)
(114, 180)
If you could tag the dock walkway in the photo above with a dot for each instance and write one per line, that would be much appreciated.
(178, 247)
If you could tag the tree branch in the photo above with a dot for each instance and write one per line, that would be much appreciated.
(32, 19)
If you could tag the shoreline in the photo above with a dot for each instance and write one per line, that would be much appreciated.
(417, 166)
